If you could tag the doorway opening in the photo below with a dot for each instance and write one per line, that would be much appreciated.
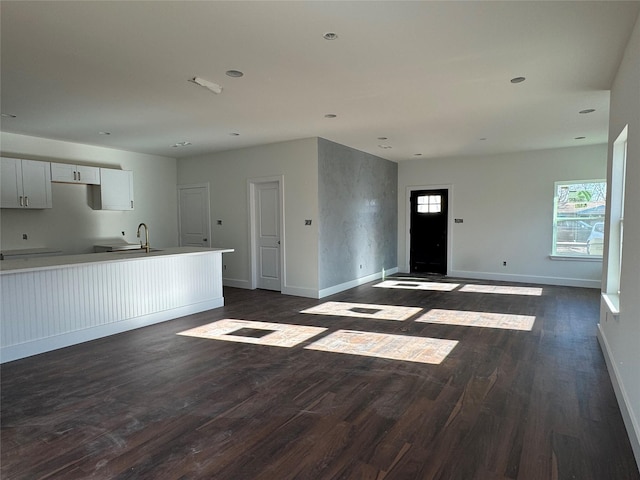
(428, 230)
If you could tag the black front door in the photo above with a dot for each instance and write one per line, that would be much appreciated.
(428, 231)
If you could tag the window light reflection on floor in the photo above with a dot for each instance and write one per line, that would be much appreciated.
(364, 310)
(351, 342)
(277, 334)
(502, 289)
(478, 319)
(418, 285)
(381, 345)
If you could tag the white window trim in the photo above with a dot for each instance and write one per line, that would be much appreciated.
(565, 256)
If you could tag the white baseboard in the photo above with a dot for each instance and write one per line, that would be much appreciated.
(325, 292)
(42, 345)
(630, 421)
(312, 292)
(234, 282)
(507, 277)
(300, 291)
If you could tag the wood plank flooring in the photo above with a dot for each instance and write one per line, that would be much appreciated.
(151, 404)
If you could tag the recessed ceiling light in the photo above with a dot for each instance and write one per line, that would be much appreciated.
(383, 138)
(330, 36)
(8, 115)
(181, 144)
(518, 80)
(385, 147)
(234, 134)
(104, 133)
(234, 73)
(588, 110)
(580, 138)
(417, 154)
(330, 115)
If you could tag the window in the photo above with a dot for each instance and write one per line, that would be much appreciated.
(623, 168)
(430, 204)
(578, 218)
(616, 229)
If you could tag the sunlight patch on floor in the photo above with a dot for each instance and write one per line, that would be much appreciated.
(478, 319)
(393, 347)
(364, 310)
(413, 285)
(502, 289)
(245, 331)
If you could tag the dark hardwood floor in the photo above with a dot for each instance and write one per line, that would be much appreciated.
(150, 404)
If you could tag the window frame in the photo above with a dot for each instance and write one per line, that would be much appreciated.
(432, 201)
(587, 224)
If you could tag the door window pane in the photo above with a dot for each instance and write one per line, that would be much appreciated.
(429, 204)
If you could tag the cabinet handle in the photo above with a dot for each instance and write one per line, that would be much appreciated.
(79, 176)
(26, 200)
(131, 203)
(21, 201)
(74, 176)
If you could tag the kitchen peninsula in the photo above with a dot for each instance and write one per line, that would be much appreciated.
(54, 302)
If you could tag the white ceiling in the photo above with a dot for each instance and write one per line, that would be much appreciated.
(433, 77)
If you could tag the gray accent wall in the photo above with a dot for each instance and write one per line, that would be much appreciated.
(358, 214)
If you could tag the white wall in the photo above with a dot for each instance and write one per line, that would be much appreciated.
(227, 174)
(619, 336)
(506, 203)
(71, 225)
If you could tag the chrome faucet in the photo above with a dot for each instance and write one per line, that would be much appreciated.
(146, 246)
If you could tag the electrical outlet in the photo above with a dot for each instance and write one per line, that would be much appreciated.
(24, 236)
(307, 222)
(504, 264)
(123, 233)
(218, 222)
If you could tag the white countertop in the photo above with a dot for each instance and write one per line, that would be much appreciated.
(62, 261)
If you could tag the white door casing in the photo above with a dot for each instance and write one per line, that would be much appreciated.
(194, 220)
(406, 267)
(266, 227)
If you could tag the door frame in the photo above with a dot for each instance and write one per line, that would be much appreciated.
(208, 207)
(252, 183)
(409, 190)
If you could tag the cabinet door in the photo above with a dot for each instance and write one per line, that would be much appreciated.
(10, 183)
(116, 189)
(36, 184)
(61, 172)
(88, 175)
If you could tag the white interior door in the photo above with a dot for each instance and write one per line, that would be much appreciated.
(267, 228)
(194, 219)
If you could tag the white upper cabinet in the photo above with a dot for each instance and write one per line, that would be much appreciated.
(62, 172)
(25, 184)
(115, 191)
